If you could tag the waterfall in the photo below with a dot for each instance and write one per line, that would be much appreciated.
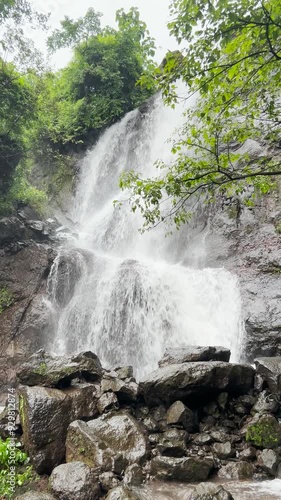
(127, 295)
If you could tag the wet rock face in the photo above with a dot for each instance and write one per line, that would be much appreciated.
(44, 418)
(185, 469)
(270, 370)
(11, 230)
(269, 460)
(238, 470)
(210, 491)
(74, 481)
(194, 353)
(48, 371)
(109, 443)
(200, 379)
(178, 413)
(24, 323)
(247, 242)
(35, 495)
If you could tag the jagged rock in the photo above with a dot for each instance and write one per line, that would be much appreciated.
(219, 435)
(248, 453)
(24, 323)
(189, 354)
(48, 371)
(210, 491)
(270, 370)
(258, 382)
(223, 450)
(107, 402)
(83, 398)
(268, 460)
(178, 413)
(150, 424)
(35, 495)
(121, 493)
(126, 391)
(74, 481)
(222, 400)
(199, 380)
(133, 476)
(11, 230)
(202, 439)
(44, 415)
(172, 443)
(264, 431)
(237, 470)
(266, 403)
(185, 469)
(108, 481)
(109, 443)
(125, 372)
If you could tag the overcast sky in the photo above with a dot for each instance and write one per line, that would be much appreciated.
(154, 12)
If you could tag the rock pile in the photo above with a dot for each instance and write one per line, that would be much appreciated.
(99, 434)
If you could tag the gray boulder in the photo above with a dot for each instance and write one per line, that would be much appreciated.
(198, 380)
(172, 443)
(133, 476)
(187, 469)
(266, 403)
(11, 230)
(126, 391)
(48, 371)
(44, 415)
(237, 470)
(122, 493)
(269, 460)
(107, 402)
(35, 495)
(270, 370)
(108, 443)
(108, 481)
(179, 414)
(74, 481)
(223, 450)
(210, 491)
(190, 354)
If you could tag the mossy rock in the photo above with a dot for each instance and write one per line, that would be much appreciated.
(264, 431)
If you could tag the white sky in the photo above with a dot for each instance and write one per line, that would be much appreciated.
(154, 12)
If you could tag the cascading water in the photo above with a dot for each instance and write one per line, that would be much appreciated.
(126, 295)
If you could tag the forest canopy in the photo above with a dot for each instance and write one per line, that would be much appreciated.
(47, 116)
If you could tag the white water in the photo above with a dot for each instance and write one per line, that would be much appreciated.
(126, 295)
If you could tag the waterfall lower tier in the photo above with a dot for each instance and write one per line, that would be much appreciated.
(124, 295)
(128, 311)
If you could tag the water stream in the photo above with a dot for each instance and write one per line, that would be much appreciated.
(127, 295)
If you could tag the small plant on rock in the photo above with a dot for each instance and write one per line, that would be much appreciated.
(15, 470)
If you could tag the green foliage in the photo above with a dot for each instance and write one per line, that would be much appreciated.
(263, 434)
(232, 65)
(73, 32)
(99, 84)
(6, 299)
(23, 471)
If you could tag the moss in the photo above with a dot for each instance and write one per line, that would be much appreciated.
(6, 299)
(21, 410)
(278, 227)
(42, 369)
(263, 434)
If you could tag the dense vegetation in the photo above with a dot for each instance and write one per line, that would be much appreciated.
(231, 63)
(45, 116)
